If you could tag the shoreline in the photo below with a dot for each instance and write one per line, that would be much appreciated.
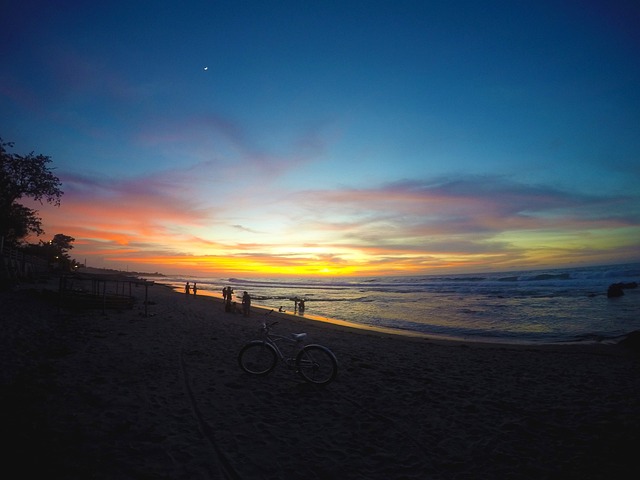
(498, 341)
(117, 395)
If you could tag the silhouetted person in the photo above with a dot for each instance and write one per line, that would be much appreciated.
(246, 304)
(301, 306)
(227, 301)
(195, 289)
(187, 289)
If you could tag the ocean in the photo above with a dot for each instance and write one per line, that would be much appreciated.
(535, 306)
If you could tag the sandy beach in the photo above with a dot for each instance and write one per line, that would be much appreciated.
(89, 394)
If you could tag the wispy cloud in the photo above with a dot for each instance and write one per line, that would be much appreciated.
(409, 226)
(472, 205)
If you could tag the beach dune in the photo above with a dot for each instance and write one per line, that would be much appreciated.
(120, 395)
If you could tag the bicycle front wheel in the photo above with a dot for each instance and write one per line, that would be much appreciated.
(257, 358)
(317, 364)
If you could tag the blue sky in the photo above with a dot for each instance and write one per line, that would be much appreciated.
(333, 138)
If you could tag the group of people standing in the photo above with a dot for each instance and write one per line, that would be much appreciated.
(230, 305)
(188, 288)
(298, 305)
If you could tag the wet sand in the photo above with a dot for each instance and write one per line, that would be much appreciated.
(117, 395)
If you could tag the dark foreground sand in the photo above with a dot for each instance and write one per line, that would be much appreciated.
(120, 396)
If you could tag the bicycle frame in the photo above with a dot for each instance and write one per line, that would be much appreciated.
(296, 339)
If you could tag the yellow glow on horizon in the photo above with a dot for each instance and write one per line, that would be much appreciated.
(142, 231)
(525, 250)
(228, 264)
(299, 266)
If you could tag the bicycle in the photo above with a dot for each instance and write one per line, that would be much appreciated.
(314, 363)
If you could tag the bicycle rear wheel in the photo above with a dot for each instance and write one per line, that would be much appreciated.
(317, 364)
(257, 358)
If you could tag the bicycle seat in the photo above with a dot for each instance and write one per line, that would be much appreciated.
(298, 336)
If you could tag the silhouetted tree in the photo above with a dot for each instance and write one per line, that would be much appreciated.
(55, 251)
(24, 176)
(63, 243)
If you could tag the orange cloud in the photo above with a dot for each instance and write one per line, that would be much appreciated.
(160, 224)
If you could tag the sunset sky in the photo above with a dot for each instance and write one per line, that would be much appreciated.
(331, 137)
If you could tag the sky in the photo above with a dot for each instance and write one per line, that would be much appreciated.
(268, 138)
